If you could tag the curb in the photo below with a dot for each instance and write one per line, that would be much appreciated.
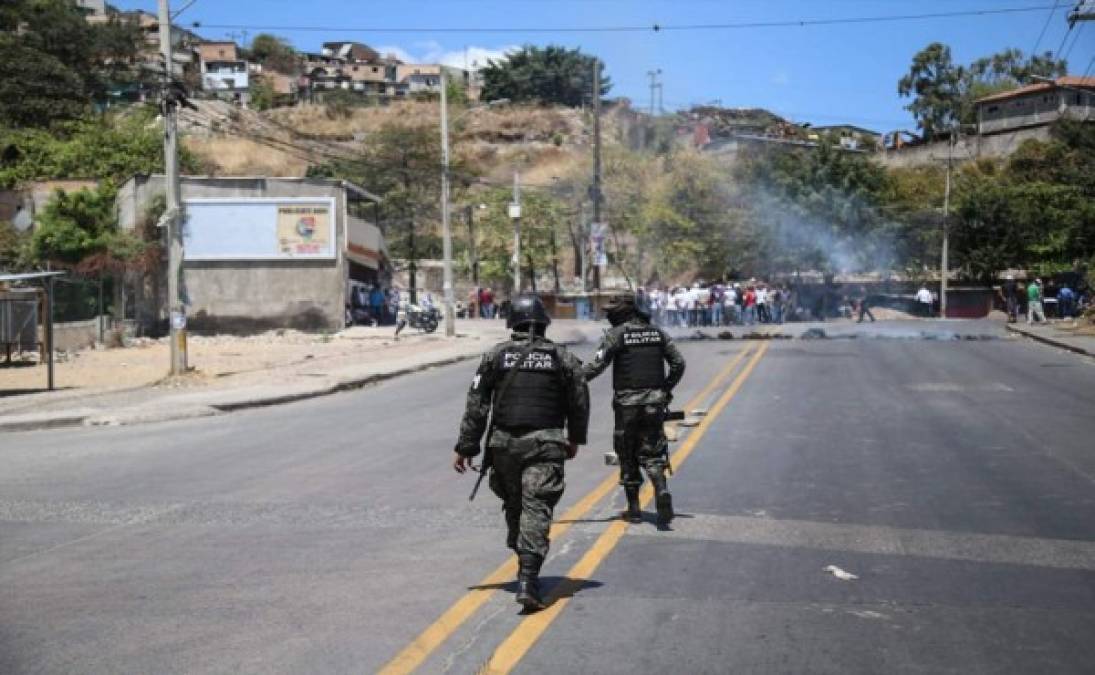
(350, 384)
(347, 385)
(59, 422)
(1049, 341)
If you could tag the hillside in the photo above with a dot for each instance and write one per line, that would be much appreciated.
(541, 142)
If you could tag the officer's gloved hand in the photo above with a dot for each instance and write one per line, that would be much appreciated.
(571, 450)
(461, 463)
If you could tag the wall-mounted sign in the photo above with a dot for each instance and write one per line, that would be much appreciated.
(259, 229)
(304, 229)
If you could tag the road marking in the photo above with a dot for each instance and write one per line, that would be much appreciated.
(524, 636)
(415, 653)
(881, 540)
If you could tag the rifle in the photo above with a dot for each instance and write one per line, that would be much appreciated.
(484, 467)
(488, 457)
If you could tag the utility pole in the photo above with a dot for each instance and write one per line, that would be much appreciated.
(413, 276)
(473, 253)
(515, 214)
(176, 309)
(583, 244)
(653, 75)
(446, 230)
(596, 159)
(944, 264)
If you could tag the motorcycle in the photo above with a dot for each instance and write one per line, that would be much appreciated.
(423, 318)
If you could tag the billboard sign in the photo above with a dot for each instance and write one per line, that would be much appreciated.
(259, 229)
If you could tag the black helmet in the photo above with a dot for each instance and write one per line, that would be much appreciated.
(621, 308)
(528, 308)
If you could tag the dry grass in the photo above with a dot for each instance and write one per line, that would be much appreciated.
(227, 156)
(315, 119)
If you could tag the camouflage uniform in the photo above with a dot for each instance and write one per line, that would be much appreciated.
(528, 461)
(639, 436)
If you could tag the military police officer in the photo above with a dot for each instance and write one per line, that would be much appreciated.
(531, 389)
(639, 353)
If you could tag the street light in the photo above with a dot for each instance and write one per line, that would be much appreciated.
(446, 229)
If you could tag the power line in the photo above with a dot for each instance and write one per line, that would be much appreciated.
(654, 28)
(1045, 27)
(1074, 41)
(1057, 54)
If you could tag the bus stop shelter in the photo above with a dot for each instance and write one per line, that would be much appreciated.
(45, 279)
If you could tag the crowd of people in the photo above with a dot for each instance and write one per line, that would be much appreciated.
(481, 303)
(1031, 300)
(717, 304)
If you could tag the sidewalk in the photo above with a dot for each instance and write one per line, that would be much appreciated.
(125, 386)
(1062, 334)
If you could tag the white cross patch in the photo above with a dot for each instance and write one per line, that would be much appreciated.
(475, 381)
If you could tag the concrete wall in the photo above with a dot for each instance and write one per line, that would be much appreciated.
(244, 296)
(73, 335)
(966, 149)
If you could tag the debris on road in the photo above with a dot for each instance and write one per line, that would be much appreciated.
(840, 574)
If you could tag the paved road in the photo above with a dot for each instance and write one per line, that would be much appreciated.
(956, 479)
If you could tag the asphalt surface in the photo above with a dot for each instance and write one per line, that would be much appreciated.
(955, 478)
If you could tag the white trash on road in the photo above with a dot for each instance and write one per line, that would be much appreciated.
(840, 574)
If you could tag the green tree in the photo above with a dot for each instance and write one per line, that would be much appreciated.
(935, 83)
(53, 63)
(275, 53)
(401, 162)
(1035, 210)
(263, 95)
(75, 225)
(541, 218)
(14, 247)
(944, 93)
(113, 147)
(551, 74)
(820, 209)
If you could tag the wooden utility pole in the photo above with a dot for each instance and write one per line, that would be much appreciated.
(945, 262)
(175, 306)
(446, 228)
(515, 214)
(596, 160)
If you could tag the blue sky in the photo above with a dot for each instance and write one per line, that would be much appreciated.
(819, 74)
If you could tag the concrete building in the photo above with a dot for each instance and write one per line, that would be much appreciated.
(851, 137)
(1037, 105)
(227, 79)
(260, 253)
(218, 51)
(92, 7)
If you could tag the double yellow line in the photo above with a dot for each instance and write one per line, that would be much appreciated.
(509, 653)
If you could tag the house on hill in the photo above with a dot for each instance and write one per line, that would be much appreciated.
(1037, 105)
(851, 137)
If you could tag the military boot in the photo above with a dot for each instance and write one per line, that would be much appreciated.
(633, 513)
(528, 582)
(663, 501)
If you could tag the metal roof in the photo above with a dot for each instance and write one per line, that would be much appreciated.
(1060, 82)
(28, 276)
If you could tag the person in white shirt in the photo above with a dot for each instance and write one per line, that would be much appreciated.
(924, 297)
(694, 304)
(762, 304)
(682, 306)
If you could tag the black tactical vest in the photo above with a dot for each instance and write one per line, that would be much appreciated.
(640, 363)
(536, 398)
